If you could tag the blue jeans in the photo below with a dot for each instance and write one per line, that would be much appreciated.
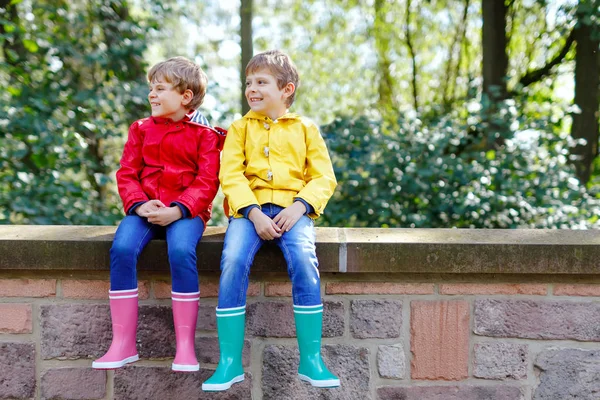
(135, 232)
(298, 247)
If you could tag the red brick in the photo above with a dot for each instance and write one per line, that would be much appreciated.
(27, 287)
(281, 289)
(439, 340)
(494, 288)
(162, 290)
(576, 290)
(94, 289)
(378, 288)
(16, 318)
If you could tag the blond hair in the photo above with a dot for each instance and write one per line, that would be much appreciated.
(280, 65)
(183, 74)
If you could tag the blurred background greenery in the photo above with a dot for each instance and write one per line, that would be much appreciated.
(437, 113)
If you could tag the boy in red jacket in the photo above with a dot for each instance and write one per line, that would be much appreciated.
(167, 181)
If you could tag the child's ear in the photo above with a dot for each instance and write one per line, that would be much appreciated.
(188, 95)
(289, 89)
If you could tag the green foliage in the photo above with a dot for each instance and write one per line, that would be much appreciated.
(457, 171)
(74, 79)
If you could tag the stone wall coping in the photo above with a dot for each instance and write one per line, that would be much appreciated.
(345, 250)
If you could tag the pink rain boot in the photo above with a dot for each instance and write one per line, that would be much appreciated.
(124, 314)
(185, 316)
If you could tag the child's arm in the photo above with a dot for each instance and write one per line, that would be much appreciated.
(234, 183)
(320, 182)
(128, 181)
(319, 175)
(201, 193)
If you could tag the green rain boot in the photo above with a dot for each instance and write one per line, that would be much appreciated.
(230, 327)
(309, 322)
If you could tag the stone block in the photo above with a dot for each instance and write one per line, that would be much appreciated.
(84, 331)
(207, 317)
(439, 340)
(207, 349)
(500, 360)
(17, 370)
(450, 393)
(74, 331)
(162, 384)
(16, 318)
(280, 374)
(156, 332)
(270, 319)
(333, 319)
(538, 319)
(568, 374)
(74, 384)
(391, 362)
(375, 318)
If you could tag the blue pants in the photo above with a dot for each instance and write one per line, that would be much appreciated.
(298, 247)
(135, 232)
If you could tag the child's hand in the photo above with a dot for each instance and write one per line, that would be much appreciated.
(149, 207)
(264, 226)
(288, 217)
(165, 215)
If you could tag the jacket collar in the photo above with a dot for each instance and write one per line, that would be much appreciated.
(254, 115)
(162, 120)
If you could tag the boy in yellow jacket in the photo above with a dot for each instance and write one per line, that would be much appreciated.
(277, 177)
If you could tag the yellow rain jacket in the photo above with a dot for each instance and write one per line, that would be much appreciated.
(267, 161)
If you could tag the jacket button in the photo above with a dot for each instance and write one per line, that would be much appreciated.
(266, 151)
(267, 126)
(269, 175)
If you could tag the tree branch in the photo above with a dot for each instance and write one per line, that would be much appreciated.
(538, 74)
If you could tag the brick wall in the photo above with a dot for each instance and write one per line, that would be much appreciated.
(387, 335)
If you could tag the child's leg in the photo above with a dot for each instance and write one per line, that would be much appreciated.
(240, 247)
(132, 235)
(182, 239)
(298, 246)
(299, 251)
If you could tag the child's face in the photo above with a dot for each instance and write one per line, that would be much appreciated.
(264, 96)
(166, 101)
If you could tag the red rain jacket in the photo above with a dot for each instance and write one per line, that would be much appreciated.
(172, 162)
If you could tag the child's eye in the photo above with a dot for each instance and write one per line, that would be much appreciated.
(247, 83)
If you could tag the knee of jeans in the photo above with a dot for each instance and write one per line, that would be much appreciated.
(121, 249)
(181, 254)
(232, 259)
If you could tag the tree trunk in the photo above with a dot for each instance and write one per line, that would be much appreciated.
(587, 89)
(495, 59)
(246, 44)
(381, 32)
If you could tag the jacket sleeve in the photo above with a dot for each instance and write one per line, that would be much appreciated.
(319, 175)
(128, 175)
(201, 193)
(234, 183)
